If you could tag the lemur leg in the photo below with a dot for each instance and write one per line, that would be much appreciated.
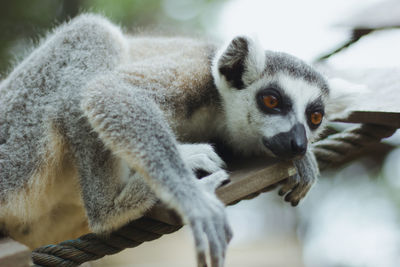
(112, 194)
(131, 195)
(134, 129)
(298, 185)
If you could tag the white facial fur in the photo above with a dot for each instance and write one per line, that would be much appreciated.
(303, 93)
(246, 124)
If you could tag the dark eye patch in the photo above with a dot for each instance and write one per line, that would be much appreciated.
(317, 106)
(284, 105)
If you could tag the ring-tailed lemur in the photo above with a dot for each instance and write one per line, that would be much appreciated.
(93, 126)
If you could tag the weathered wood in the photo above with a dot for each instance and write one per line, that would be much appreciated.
(380, 104)
(14, 254)
(374, 117)
(248, 176)
(380, 15)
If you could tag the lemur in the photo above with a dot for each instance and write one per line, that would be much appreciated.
(97, 125)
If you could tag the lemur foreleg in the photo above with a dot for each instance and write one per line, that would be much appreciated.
(133, 128)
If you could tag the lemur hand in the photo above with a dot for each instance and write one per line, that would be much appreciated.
(201, 157)
(208, 221)
(297, 186)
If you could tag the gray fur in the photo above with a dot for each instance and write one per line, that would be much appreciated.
(298, 185)
(282, 62)
(78, 93)
(93, 122)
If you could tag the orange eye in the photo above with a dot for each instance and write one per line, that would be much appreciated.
(270, 101)
(316, 118)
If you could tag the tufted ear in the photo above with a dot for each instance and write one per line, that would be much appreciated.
(241, 62)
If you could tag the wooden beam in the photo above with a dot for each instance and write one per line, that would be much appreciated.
(248, 176)
(253, 176)
(379, 103)
(391, 119)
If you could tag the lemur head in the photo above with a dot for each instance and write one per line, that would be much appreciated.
(273, 102)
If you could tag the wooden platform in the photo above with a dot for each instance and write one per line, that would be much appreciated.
(248, 177)
(380, 104)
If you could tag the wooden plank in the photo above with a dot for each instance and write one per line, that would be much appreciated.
(253, 176)
(380, 104)
(383, 84)
(247, 176)
(391, 119)
(14, 254)
(384, 14)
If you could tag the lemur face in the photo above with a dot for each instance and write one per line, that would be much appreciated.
(274, 103)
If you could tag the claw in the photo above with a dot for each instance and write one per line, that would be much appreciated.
(291, 183)
(296, 187)
(288, 198)
(295, 203)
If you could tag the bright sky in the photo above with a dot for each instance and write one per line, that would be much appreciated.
(303, 28)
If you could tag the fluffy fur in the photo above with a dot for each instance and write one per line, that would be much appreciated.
(93, 125)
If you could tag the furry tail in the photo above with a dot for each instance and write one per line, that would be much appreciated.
(343, 95)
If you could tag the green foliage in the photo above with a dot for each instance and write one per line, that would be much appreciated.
(127, 12)
(23, 22)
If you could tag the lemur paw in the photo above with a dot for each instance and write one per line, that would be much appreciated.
(296, 187)
(215, 180)
(208, 221)
(212, 234)
(201, 157)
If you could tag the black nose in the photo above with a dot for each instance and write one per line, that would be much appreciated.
(290, 144)
(298, 140)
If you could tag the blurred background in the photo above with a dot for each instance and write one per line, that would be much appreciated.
(351, 217)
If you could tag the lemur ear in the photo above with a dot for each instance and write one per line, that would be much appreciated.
(241, 62)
